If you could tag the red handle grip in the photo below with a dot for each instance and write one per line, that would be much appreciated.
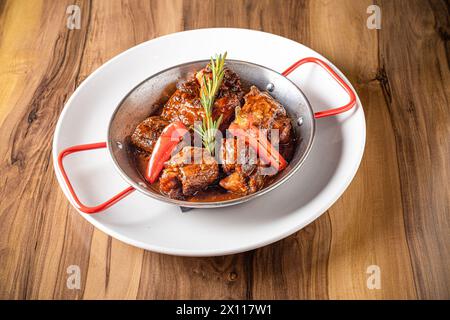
(80, 206)
(336, 77)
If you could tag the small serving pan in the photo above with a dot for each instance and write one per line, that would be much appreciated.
(145, 99)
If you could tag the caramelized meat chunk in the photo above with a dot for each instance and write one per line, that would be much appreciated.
(241, 164)
(231, 83)
(147, 133)
(241, 183)
(246, 172)
(190, 170)
(184, 105)
(264, 112)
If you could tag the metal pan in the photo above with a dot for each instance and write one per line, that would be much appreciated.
(143, 100)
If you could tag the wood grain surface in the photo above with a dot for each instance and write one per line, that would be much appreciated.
(395, 214)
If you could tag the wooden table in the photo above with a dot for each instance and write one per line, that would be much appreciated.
(395, 214)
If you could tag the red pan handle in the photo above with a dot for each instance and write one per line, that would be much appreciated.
(80, 206)
(336, 77)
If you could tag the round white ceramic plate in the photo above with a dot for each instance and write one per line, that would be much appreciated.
(147, 223)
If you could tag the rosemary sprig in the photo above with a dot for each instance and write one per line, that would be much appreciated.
(208, 92)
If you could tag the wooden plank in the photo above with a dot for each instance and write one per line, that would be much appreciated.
(367, 221)
(296, 267)
(43, 62)
(114, 269)
(415, 74)
(169, 277)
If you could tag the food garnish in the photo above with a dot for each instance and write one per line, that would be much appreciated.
(208, 91)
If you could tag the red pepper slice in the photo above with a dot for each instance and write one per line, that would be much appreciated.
(166, 143)
(258, 141)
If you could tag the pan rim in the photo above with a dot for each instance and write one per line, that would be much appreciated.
(210, 204)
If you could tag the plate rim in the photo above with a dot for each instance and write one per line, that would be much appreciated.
(203, 252)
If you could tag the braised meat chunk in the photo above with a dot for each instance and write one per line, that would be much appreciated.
(247, 173)
(147, 133)
(241, 183)
(240, 162)
(264, 112)
(231, 83)
(190, 170)
(184, 105)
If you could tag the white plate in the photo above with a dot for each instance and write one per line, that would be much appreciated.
(147, 223)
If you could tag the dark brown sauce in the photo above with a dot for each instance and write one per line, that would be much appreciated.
(212, 194)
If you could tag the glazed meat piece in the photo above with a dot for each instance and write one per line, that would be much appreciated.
(190, 170)
(147, 133)
(240, 183)
(245, 174)
(264, 112)
(184, 105)
(231, 83)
